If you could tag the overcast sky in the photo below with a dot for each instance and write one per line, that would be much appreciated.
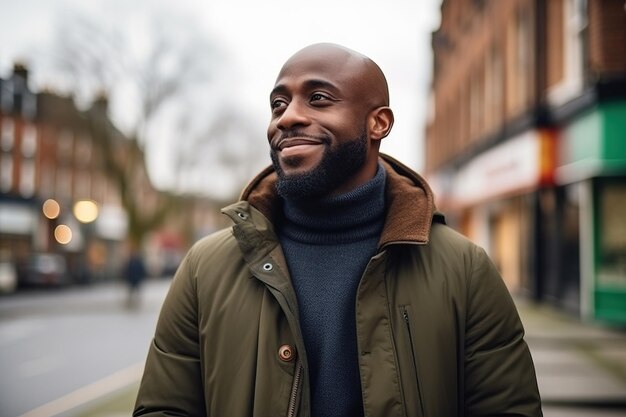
(259, 36)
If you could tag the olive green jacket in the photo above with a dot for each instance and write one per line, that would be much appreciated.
(437, 331)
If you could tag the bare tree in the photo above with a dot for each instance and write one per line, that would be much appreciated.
(149, 78)
(229, 147)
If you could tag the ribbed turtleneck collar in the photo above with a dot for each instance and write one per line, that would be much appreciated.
(353, 216)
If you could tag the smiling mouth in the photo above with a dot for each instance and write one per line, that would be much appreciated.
(290, 143)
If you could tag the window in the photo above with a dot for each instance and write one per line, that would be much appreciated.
(6, 96)
(574, 52)
(519, 49)
(29, 105)
(64, 183)
(494, 88)
(83, 151)
(524, 58)
(65, 145)
(82, 184)
(27, 178)
(7, 135)
(6, 173)
(46, 178)
(29, 141)
(476, 108)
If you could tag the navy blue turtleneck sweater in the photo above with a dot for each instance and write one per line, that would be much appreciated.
(328, 244)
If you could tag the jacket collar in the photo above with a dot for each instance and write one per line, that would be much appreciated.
(409, 199)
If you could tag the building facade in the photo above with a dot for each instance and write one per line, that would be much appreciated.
(526, 143)
(58, 200)
(18, 153)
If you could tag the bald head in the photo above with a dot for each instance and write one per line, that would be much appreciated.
(366, 75)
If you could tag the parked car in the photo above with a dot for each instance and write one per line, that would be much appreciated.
(8, 277)
(44, 269)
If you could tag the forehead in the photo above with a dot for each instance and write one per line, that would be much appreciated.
(342, 71)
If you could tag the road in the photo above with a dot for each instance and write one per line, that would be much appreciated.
(55, 342)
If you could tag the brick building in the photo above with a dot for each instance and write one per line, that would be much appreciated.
(50, 160)
(526, 145)
(18, 150)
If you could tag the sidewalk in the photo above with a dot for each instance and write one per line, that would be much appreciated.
(581, 368)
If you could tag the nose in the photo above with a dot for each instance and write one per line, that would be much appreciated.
(294, 115)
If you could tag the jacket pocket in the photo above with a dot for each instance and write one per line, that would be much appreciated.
(411, 386)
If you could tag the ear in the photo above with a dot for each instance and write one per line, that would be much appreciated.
(380, 122)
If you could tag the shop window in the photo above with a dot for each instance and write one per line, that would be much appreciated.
(612, 236)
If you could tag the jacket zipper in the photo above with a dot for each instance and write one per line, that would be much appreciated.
(407, 321)
(295, 388)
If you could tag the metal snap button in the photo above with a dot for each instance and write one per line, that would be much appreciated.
(268, 266)
(286, 353)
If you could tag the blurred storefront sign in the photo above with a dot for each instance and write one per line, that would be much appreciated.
(18, 219)
(513, 167)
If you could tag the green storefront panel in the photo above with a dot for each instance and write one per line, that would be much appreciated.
(614, 143)
(609, 305)
(595, 146)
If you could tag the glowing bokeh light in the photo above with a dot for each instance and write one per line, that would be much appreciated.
(51, 209)
(63, 234)
(86, 211)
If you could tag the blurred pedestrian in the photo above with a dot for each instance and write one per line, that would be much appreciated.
(135, 274)
(339, 291)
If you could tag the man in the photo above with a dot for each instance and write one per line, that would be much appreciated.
(338, 291)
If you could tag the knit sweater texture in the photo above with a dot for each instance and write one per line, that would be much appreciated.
(328, 244)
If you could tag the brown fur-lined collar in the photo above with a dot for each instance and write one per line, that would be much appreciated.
(409, 199)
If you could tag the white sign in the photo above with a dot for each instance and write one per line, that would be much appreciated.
(506, 168)
(16, 219)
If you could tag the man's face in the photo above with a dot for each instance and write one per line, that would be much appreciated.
(317, 132)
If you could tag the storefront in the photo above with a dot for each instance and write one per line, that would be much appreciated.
(17, 227)
(492, 199)
(592, 172)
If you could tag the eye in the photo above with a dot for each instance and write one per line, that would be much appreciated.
(318, 97)
(277, 103)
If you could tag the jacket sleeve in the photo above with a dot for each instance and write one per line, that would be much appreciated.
(172, 383)
(499, 372)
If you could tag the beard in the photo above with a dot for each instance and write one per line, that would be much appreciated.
(339, 163)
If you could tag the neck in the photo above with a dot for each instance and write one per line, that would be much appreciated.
(350, 216)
